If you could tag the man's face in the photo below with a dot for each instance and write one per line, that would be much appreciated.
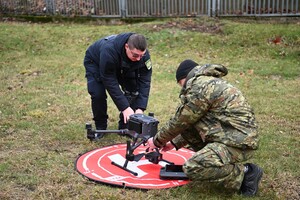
(134, 54)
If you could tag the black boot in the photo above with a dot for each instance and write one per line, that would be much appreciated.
(99, 128)
(251, 180)
(99, 135)
(93, 135)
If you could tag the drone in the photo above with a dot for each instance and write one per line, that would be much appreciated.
(140, 129)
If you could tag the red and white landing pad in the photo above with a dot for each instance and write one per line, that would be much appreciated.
(96, 166)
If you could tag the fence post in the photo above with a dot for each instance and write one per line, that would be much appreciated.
(123, 11)
(209, 8)
(50, 6)
(214, 8)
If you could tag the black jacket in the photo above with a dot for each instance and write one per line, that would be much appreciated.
(115, 69)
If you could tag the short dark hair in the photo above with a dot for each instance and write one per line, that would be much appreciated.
(137, 41)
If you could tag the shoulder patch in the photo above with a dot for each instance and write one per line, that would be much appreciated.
(148, 64)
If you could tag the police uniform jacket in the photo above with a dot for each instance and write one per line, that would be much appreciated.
(112, 67)
(214, 109)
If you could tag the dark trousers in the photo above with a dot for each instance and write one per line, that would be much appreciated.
(98, 101)
(98, 95)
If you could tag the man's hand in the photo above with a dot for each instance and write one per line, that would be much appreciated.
(169, 146)
(126, 113)
(139, 111)
(151, 145)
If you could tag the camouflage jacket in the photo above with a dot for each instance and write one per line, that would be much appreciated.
(217, 110)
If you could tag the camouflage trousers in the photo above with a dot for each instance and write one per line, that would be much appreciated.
(218, 163)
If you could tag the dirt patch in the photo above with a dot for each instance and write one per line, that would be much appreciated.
(213, 27)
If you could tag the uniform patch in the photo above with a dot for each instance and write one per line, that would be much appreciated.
(148, 64)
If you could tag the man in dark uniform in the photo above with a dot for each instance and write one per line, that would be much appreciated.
(121, 65)
(217, 122)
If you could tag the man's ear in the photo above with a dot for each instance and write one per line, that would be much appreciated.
(182, 82)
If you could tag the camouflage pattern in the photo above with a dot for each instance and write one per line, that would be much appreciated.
(214, 119)
(218, 163)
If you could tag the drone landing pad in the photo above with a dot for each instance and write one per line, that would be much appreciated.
(97, 166)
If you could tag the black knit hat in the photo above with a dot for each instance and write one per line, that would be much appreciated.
(184, 68)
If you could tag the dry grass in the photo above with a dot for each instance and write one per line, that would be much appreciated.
(44, 103)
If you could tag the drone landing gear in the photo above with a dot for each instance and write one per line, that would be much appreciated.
(153, 157)
(124, 167)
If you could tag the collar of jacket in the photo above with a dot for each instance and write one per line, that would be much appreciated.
(190, 75)
(215, 70)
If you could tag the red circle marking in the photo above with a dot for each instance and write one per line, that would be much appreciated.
(96, 165)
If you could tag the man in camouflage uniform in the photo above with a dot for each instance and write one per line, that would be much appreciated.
(217, 122)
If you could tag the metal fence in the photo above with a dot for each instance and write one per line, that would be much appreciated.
(166, 8)
(258, 7)
(151, 8)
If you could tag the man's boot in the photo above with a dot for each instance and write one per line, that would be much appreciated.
(251, 180)
(99, 127)
(100, 135)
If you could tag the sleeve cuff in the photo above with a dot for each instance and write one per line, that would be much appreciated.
(157, 143)
(174, 145)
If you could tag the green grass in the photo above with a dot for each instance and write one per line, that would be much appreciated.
(44, 103)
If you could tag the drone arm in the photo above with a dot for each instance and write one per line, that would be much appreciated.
(94, 134)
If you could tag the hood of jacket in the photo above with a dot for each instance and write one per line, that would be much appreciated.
(214, 70)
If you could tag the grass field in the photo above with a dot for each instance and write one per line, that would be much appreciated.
(44, 103)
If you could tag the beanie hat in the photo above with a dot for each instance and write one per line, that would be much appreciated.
(184, 68)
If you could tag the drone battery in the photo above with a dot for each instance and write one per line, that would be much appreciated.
(173, 172)
(143, 124)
